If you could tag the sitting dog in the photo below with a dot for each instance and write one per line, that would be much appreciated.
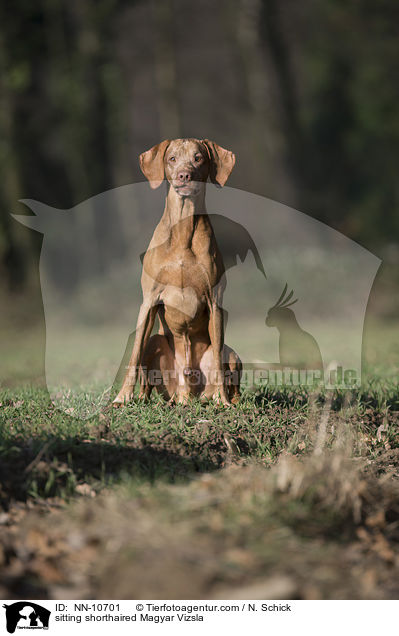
(183, 282)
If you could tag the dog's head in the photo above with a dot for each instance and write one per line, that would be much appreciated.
(187, 164)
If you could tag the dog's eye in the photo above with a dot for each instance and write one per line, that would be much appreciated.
(197, 158)
(172, 158)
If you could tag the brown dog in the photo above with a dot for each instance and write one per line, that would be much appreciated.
(183, 282)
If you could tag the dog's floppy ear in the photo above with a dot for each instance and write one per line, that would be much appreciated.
(151, 163)
(222, 162)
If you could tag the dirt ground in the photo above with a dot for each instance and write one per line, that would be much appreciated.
(284, 501)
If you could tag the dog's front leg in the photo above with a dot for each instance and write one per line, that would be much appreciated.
(216, 334)
(145, 323)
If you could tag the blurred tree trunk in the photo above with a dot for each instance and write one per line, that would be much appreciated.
(91, 54)
(267, 136)
(11, 250)
(278, 51)
(79, 43)
(165, 69)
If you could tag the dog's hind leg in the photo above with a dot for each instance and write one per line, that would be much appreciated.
(233, 370)
(157, 368)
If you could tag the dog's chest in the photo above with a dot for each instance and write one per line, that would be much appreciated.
(181, 303)
(186, 283)
(183, 269)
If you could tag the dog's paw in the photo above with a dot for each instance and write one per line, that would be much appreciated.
(172, 400)
(235, 399)
(123, 398)
(220, 398)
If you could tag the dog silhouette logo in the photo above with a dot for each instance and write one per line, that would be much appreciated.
(26, 615)
(90, 277)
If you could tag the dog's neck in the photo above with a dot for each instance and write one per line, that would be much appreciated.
(181, 215)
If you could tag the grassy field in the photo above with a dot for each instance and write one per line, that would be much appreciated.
(287, 495)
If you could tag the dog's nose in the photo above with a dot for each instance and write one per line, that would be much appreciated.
(184, 176)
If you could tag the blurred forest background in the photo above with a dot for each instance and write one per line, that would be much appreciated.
(305, 93)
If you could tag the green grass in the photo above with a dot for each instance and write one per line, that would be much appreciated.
(290, 493)
(54, 452)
